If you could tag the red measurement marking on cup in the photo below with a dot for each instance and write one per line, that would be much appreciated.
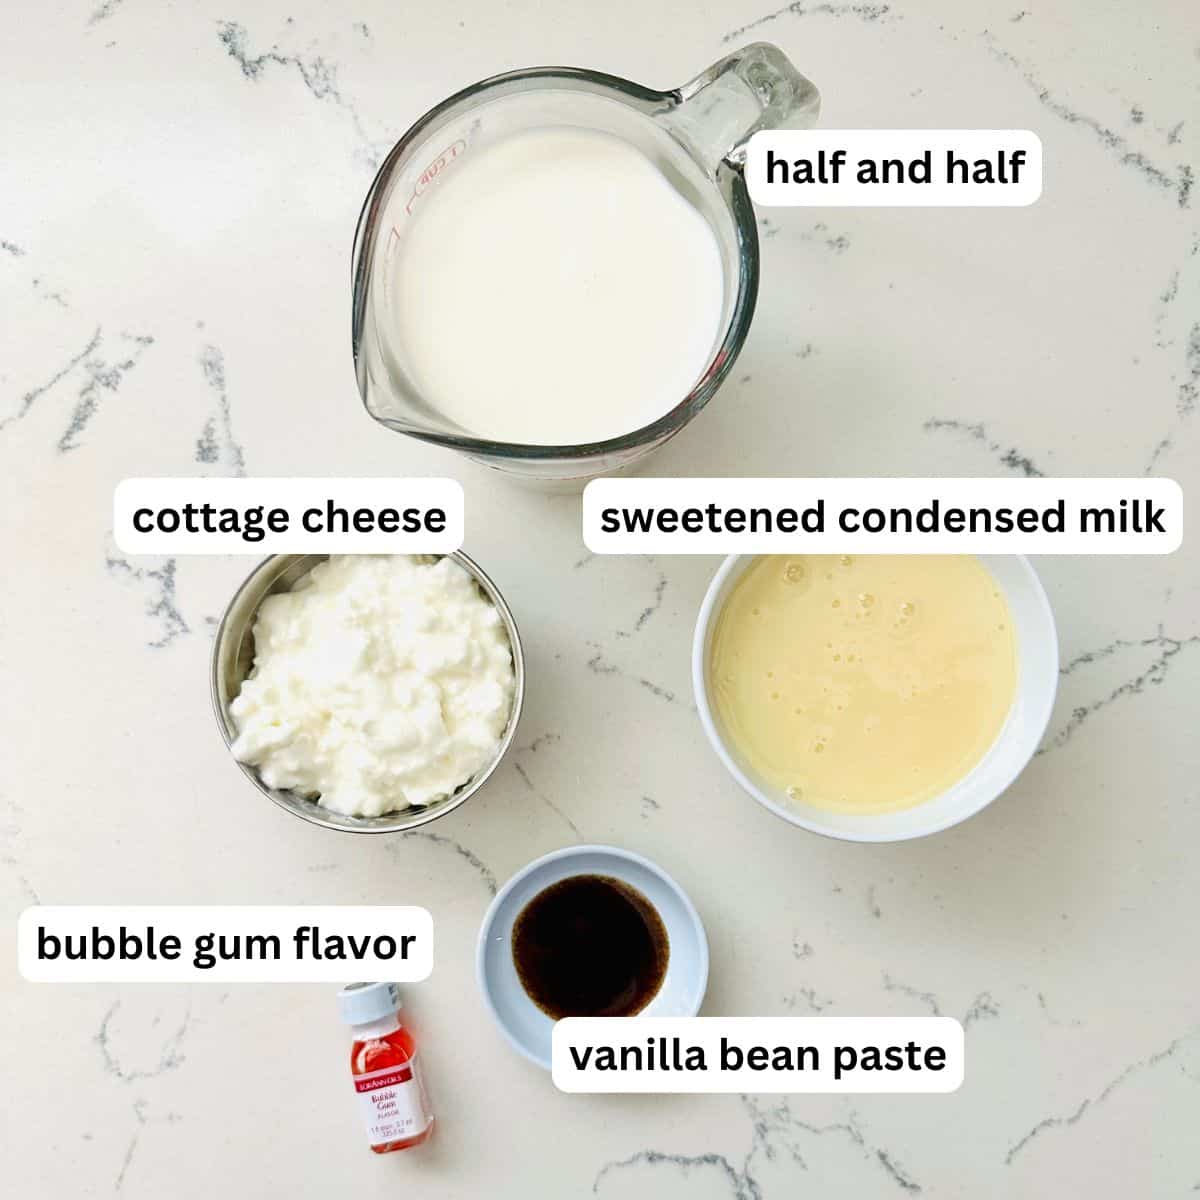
(434, 169)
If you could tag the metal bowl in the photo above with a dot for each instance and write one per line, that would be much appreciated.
(233, 657)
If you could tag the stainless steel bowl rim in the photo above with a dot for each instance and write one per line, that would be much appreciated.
(405, 819)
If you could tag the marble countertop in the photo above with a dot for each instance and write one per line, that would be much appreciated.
(180, 187)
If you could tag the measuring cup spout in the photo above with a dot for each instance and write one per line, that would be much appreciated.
(751, 89)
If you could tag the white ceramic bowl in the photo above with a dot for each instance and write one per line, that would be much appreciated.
(1018, 740)
(526, 1027)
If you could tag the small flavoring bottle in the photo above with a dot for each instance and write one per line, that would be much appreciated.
(383, 1062)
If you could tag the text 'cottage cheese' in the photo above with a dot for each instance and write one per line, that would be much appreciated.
(379, 683)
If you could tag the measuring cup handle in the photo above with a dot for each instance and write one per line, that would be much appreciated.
(754, 88)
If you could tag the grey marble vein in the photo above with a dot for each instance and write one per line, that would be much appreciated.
(1167, 650)
(1066, 1120)
(862, 12)
(42, 290)
(543, 739)
(465, 853)
(1009, 456)
(851, 1130)
(775, 1130)
(216, 445)
(772, 1131)
(31, 397)
(1185, 401)
(103, 11)
(657, 690)
(926, 998)
(1166, 298)
(1187, 374)
(898, 1174)
(139, 1114)
(1179, 183)
(820, 234)
(1163, 446)
(743, 1186)
(100, 375)
(983, 1007)
(119, 1182)
(523, 775)
(10, 837)
(170, 1055)
(808, 998)
(318, 74)
(51, 296)
(655, 604)
(1045, 1007)
(162, 603)
(598, 664)
(23, 881)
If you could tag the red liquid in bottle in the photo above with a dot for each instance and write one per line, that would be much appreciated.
(383, 1063)
(394, 1055)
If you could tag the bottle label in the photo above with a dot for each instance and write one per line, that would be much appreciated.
(393, 1103)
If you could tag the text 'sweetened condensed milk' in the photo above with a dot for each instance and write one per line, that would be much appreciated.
(864, 684)
(554, 288)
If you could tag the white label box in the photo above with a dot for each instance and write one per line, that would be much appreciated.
(883, 516)
(288, 516)
(895, 168)
(758, 1054)
(224, 943)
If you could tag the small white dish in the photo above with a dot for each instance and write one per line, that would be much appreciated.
(1015, 745)
(528, 1029)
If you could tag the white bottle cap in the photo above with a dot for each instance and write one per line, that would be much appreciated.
(361, 1003)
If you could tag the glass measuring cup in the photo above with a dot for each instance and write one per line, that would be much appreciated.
(696, 135)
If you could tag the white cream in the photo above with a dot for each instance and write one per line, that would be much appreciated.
(379, 682)
(555, 288)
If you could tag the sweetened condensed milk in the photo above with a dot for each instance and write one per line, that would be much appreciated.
(863, 684)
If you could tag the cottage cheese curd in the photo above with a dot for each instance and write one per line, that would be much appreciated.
(379, 683)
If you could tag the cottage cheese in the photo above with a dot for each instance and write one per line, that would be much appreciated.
(379, 683)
